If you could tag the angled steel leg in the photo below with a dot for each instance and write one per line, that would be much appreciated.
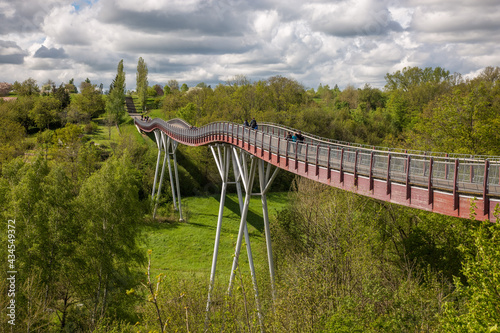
(248, 177)
(159, 144)
(265, 182)
(170, 173)
(174, 148)
(223, 164)
(165, 140)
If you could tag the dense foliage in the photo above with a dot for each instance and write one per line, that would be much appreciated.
(345, 263)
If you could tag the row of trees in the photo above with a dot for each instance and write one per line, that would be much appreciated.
(417, 109)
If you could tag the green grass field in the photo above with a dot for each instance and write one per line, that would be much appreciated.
(187, 247)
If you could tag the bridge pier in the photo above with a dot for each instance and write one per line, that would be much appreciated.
(169, 146)
(223, 157)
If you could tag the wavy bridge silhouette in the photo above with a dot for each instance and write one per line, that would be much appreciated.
(450, 184)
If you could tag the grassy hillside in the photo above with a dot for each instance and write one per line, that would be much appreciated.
(187, 247)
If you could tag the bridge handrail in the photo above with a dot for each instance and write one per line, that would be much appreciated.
(452, 172)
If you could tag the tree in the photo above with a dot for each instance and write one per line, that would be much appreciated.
(152, 92)
(22, 107)
(173, 84)
(11, 139)
(142, 83)
(116, 98)
(70, 87)
(48, 87)
(465, 121)
(62, 95)
(184, 87)
(109, 212)
(158, 89)
(5, 88)
(89, 101)
(188, 113)
(45, 111)
(413, 88)
(478, 306)
(285, 92)
(27, 88)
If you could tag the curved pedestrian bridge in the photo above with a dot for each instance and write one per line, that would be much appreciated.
(443, 183)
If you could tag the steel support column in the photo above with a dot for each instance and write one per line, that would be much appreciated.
(159, 144)
(166, 141)
(248, 176)
(174, 148)
(265, 181)
(169, 146)
(222, 160)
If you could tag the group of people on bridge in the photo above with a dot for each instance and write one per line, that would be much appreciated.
(296, 137)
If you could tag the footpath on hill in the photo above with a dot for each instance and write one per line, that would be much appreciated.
(129, 104)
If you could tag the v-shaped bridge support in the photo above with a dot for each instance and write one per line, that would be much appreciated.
(245, 166)
(169, 146)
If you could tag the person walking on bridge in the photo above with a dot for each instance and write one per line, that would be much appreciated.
(300, 137)
(253, 124)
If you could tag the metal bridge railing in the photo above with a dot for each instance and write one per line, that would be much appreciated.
(449, 172)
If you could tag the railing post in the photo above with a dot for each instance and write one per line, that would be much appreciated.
(371, 171)
(388, 174)
(429, 184)
(328, 171)
(455, 186)
(305, 160)
(286, 152)
(356, 168)
(342, 165)
(262, 145)
(486, 199)
(255, 143)
(278, 151)
(408, 191)
(296, 155)
(270, 148)
(317, 152)
(242, 136)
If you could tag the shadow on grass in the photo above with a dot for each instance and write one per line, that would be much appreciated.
(253, 219)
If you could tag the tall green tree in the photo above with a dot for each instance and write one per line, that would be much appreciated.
(45, 111)
(116, 99)
(142, 82)
(89, 102)
(109, 211)
(62, 94)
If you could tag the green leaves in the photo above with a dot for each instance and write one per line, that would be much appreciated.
(142, 82)
(478, 309)
(116, 98)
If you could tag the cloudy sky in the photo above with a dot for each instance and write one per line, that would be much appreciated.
(317, 41)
